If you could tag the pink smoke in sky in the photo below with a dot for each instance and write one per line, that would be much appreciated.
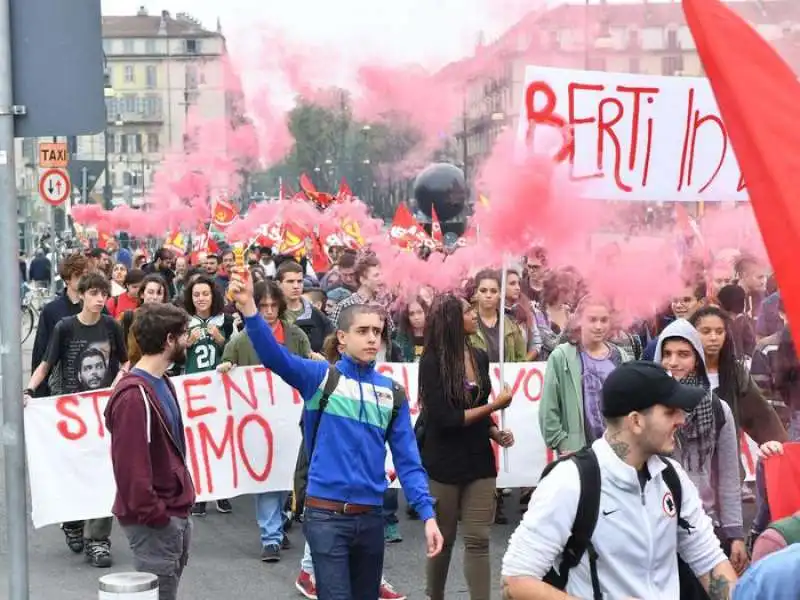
(528, 204)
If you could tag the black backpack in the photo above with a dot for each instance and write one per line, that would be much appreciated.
(580, 540)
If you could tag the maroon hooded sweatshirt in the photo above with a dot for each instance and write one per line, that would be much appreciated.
(153, 481)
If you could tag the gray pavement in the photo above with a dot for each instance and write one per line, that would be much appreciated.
(225, 558)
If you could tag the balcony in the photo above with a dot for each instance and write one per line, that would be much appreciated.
(138, 118)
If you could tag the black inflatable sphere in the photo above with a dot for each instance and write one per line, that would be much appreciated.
(441, 185)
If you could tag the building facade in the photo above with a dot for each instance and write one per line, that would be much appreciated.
(160, 69)
(632, 38)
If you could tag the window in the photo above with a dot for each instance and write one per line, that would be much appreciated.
(134, 143)
(108, 45)
(554, 41)
(633, 64)
(130, 74)
(150, 46)
(152, 142)
(111, 108)
(192, 46)
(110, 139)
(150, 76)
(191, 77)
(633, 39)
(126, 178)
(128, 46)
(671, 65)
(130, 103)
(123, 144)
(672, 39)
(596, 63)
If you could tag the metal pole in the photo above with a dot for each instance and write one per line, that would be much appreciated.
(586, 36)
(84, 185)
(501, 326)
(13, 433)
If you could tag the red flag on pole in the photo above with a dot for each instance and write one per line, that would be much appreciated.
(757, 92)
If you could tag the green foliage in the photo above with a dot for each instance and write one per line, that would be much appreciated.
(329, 144)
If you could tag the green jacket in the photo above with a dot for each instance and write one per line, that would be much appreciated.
(240, 351)
(561, 418)
(515, 350)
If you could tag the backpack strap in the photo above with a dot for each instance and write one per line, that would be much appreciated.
(580, 540)
(330, 385)
(398, 396)
(673, 481)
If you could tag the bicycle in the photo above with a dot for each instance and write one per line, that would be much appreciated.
(33, 301)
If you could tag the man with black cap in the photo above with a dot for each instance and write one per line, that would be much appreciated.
(633, 547)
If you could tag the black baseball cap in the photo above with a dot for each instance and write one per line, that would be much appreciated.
(638, 385)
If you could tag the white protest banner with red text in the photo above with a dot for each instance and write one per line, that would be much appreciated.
(625, 136)
(242, 437)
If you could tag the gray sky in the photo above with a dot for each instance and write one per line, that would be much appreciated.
(427, 31)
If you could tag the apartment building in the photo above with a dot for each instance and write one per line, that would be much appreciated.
(638, 37)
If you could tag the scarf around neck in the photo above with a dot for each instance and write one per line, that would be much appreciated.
(698, 430)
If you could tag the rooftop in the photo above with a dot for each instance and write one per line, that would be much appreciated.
(144, 25)
(645, 14)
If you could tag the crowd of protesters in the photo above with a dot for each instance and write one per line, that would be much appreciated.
(722, 334)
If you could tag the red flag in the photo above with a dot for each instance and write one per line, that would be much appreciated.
(294, 240)
(320, 199)
(307, 186)
(757, 92)
(223, 213)
(320, 261)
(104, 239)
(783, 482)
(345, 194)
(403, 221)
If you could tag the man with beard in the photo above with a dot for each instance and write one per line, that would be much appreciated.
(93, 367)
(148, 450)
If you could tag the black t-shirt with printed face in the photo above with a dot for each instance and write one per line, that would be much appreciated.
(84, 357)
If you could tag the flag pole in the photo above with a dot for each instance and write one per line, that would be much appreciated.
(501, 327)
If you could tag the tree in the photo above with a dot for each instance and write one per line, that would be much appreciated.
(329, 144)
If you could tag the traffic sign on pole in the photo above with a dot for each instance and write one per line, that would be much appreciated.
(53, 155)
(54, 186)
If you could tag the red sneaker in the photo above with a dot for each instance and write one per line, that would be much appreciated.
(387, 592)
(305, 585)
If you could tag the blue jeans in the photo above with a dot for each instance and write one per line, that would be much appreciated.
(347, 551)
(269, 514)
(390, 506)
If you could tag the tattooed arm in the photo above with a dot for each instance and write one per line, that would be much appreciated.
(528, 588)
(700, 547)
(719, 581)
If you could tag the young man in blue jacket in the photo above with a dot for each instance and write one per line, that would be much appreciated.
(346, 443)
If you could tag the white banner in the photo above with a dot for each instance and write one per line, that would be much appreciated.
(242, 437)
(625, 136)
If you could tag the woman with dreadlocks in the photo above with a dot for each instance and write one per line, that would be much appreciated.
(454, 388)
(731, 380)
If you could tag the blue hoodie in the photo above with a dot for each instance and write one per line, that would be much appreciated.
(774, 577)
(349, 461)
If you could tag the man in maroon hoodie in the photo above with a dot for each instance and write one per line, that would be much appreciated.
(148, 448)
